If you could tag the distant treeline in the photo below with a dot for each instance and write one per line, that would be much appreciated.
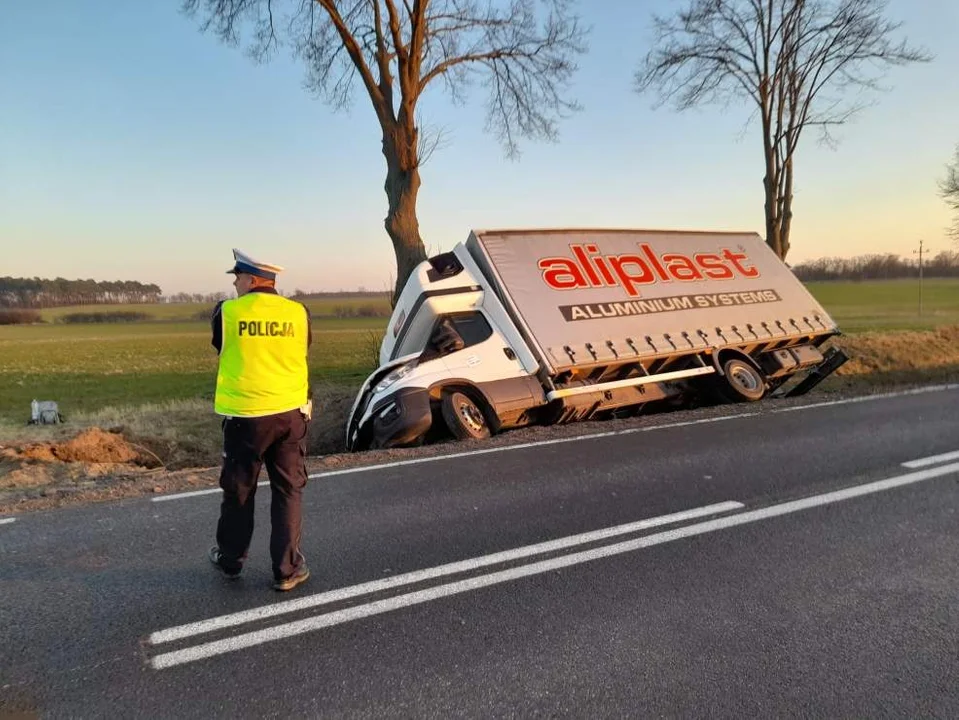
(30, 317)
(878, 267)
(115, 316)
(19, 317)
(339, 295)
(43, 293)
(183, 297)
(361, 311)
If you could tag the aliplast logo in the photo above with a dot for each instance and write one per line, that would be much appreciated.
(588, 268)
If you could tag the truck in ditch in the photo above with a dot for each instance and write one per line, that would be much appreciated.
(521, 327)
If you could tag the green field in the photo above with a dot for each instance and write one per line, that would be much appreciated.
(326, 307)
(889, 304)
(88, 367)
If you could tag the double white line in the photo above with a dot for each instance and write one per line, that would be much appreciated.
(376, 607)
(277, 632)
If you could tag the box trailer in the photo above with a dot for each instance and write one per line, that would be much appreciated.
(520, 327)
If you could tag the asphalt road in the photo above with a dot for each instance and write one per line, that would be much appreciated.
(786, 561)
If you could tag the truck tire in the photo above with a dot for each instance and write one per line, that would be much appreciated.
(463, 417)
(741, 382)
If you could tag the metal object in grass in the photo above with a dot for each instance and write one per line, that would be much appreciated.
(45, 412)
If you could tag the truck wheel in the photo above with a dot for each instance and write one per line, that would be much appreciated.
(742, 382)
(464, 417)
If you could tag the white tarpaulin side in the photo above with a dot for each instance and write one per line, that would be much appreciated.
(588, 296)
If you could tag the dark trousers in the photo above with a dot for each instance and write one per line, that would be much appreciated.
(279, 441)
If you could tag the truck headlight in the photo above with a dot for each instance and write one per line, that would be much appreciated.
(394, 376)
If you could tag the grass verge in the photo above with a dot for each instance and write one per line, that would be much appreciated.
(164, 442)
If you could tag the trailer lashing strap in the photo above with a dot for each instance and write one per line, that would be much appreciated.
(601, 351)
(572, 355)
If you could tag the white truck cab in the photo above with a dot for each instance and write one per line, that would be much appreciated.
(447, 332)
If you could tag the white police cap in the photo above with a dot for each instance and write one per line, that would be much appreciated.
(245, 264)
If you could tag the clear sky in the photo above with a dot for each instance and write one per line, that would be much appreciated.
(134, 147)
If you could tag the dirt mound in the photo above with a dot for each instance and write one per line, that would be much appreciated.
(90, 446)
(95, 445)
(41, 452)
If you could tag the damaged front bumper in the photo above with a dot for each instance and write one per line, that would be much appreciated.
(398, 419)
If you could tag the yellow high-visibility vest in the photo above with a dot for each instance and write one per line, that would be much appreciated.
(263, 358)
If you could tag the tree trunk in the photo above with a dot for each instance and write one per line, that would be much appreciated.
(778, 208)
(786, 216)
(402, 224)
(771, 178)
(402, 185)
(773, 228)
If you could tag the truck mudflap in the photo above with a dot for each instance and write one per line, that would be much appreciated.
(833, 359)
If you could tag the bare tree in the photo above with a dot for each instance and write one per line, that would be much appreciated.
(949, 189)
(522, 50)
(802, 63)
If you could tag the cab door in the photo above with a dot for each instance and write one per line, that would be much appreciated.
(483, 355)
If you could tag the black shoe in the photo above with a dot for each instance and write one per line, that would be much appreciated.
(300, 576)
(216, 557)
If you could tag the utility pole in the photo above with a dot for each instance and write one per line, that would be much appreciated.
(919, 252)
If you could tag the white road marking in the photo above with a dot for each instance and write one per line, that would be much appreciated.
(870, 398)
(538, 443)
(251, 639)
(932, 460)
(4, 521)
(193, 493)
(268, 611)
(472, 453)
(577, 438)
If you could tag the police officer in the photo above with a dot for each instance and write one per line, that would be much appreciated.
(262, 389)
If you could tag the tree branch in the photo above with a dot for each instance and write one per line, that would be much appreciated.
(380, 103)
(793, 58)
(521, 50)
